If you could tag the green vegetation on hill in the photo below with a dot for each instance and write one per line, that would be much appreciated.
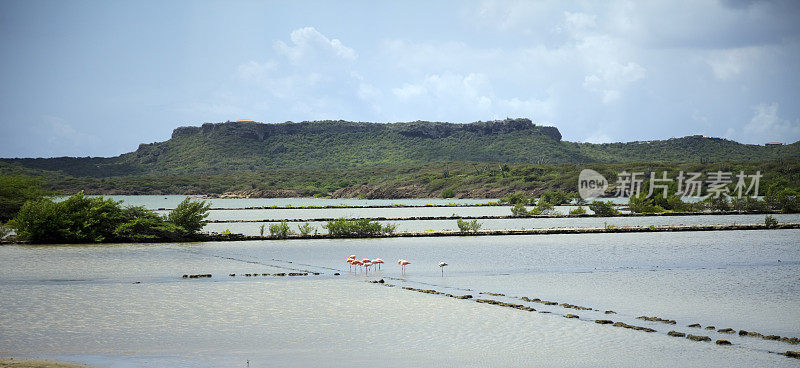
(431, 180)
(213, 149)
(369, 160)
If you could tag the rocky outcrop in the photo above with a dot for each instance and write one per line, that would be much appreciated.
(258, 193)
(417, 129)
(373, 192)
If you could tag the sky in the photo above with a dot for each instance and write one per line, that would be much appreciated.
(97, 78)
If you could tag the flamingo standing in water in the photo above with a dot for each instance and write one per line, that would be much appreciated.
(441, 265)
(378, 262)
(367, 263)
(357, 263)
(350, 261)
(403, 263)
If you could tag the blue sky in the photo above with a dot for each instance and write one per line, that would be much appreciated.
(96, 78)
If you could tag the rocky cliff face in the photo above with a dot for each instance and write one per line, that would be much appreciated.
(419, 129)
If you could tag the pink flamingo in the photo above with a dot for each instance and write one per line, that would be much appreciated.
(403, 263)
(364, 261)
(367, 263)
(357, 263)
(378, 262)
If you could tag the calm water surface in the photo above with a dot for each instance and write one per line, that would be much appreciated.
(82, 303)
(128, 306)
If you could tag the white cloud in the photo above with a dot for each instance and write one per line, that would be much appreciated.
(612, 78)
(766, 125)
(308, 43)
(728, 63)
(598, 137)
(409, 91)
(255, 71)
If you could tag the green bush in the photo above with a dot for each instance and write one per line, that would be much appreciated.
(770, 221)
(465, 226)
(4, 231)
(307, 228)
(554, 197)
(542, 208)
(81, 219)
(144, 225)
(448, 193)
(280, 230)
(343, 227)
(720, 203)
(784, 199)
(603, 208)
(78, 219)
(15, 190)
(749, 204)
(515, 198)
(190, 215)
(261, 229)
(578, 211)
(519, 210)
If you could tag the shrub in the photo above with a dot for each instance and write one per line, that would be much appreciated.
(145, 225)
(720, 203)
(4, 231)
(280, 230)
(748, 204)
(578, 211)
(80, 219)
(448, 193)
(190, 215)
(554, 197)
(519, 210)
(15, 190)
(603, 208)
(357, 228)
(307, 228)
(261, 229)
(542, 208)
(465, 226)
(787, 200)
(770, 221)
(515, 198)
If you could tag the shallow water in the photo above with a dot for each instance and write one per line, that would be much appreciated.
(170, 201)
(82, 303)
(253, 228)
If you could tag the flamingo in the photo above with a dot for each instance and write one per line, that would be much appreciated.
(441, 265)
(377, 261)
(357, 263)
(367, 263)
(403, 263)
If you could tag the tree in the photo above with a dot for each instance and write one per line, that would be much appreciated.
(519, 210)
(280, 230)
(601, 208)
(578, 211)
(190, 215)
(554, 197)
(465, 226)
(15, 190)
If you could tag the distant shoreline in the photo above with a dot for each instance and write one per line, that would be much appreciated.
(15, 362)
(216, 237)
(499, 217)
